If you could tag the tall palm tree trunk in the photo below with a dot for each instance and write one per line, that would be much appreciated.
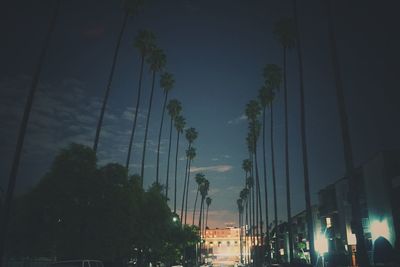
(147, 127)
(259, 200)
(169, 156)
(260, 241)
(266, 192)
(240, 238)
(176, 169)
(184, 188)
(5, 212)
(274, 178)
(246, 243)
(200, 229)
(310, 227)
(253, 211)
(110, 77)
(362, 256)
(195, 204)
(206, 225)
(187, 190)
(289, 210)
(159, 136)
(128, 158)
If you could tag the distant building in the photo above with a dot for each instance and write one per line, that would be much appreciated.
(378, 181)
(223, 245)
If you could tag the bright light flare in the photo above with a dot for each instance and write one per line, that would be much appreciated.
(379, 229)
(321, 243)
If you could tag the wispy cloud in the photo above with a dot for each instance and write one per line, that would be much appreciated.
(237, 120)
(216, 168)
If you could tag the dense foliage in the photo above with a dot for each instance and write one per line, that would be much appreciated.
(80, 210)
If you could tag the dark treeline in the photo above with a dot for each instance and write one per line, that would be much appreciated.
(82, 210)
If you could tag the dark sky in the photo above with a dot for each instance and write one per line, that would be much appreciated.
(216, 50)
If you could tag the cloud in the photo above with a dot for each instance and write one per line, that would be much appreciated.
(237, 120)
(216, 168)
(63, 112)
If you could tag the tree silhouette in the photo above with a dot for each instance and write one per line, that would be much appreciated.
(145, 43)
(157, 61)
(166, 83)
(285, 34)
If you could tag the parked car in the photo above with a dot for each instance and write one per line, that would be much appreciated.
(78, 263)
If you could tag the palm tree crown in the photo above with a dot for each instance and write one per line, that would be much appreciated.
(208, 201)
(191, 153)
(179, 123)
(240, 205)
(132, 6)
(250, 182)
(244, 193)
(204, 187)
(273, 76)
(253, 110)
(174, 108)
(200, 178)
(285, 33)
(247, 165)
(157, 59)
(167, 81)
(145, 42)
(191, 134)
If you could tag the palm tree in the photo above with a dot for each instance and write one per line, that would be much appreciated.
(265, 98)
(191, 135)
(362, 257)
(240, 210)
(247, 166)
(204, 187)
(244, 194)
(273, 81)
(284, 33)
(199, 178)
(166, 83)
(244, 197)
(208, 202)
(250, 186)
(253, 110)
(174, 108)
(130, 9)
(145, 43)
(192, 155)
(157, 61)
(4, 219)
(179, 126)
(310, 227)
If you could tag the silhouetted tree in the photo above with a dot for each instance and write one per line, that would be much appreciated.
(179, 126)
(199, 178)
(285, 34)
(273, 81)
(131, 7)
(362, 257)
(145, 43)
(5, 212)
(307, 194)
(190, 154)
(166, 83)
(157, 61)
(174, 108)
(191, 135)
